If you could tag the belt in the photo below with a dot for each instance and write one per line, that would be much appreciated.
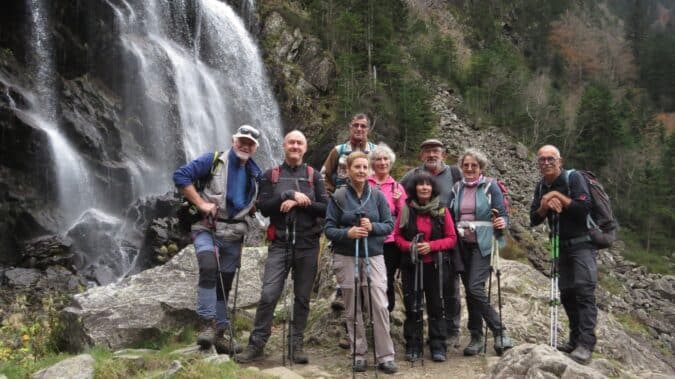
(471, 225)
(575, 241)
(229, 221)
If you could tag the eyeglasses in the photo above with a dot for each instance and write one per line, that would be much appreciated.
(247, 130)
(545, 160)
(470, 165)
(359, 125)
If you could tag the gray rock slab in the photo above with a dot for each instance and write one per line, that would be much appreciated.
(78, 367)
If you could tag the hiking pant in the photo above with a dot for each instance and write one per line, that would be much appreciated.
(214, 287)
(413, 326)
(578, 279)
(344, 272)
(476, 273)
(453, 307)
(392, 259)
(277, 268)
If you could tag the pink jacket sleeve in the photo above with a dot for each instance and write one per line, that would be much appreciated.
(401, 242)
(450, 239)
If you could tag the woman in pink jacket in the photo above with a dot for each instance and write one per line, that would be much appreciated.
(382, 159)
(424, 220)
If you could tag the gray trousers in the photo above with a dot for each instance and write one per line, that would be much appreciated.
(476, 273)
(277, 268)
(344, 272)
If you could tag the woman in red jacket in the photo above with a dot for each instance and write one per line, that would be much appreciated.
(424, 215)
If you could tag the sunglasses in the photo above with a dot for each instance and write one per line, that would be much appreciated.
(249, 131)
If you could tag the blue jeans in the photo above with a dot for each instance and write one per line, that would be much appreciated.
(215, 276)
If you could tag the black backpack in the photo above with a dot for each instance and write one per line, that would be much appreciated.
(601, 223)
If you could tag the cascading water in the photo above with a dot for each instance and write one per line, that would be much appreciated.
(75, 188)
(191, 75)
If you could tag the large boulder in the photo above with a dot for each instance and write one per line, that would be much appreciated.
(78, 367)
(539, 361)
(155, 301)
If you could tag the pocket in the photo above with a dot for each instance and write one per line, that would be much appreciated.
(217, 184)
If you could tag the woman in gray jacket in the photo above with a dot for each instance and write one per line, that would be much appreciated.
(358, 219)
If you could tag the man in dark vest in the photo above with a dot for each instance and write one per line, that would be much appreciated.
(433, 155)
(228, 197)
(293, 195)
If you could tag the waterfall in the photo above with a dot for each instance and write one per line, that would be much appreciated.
(75, 187)
(192, 74)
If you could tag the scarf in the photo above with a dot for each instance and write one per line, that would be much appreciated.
(474, 183)
(432, 208)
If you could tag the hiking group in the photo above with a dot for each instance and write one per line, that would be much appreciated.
(438, 226)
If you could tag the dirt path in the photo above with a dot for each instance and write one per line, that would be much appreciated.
(336, 363)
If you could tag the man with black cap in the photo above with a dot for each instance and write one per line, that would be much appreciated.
(432, 155)
(230, 189)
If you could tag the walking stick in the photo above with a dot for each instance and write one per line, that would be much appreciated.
(489, 294)
(418, 294)
(370, 302)
(290, 287)
(555, 295)
(356, 302)
(212, 223)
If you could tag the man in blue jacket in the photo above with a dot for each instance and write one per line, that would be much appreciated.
(227, 198)
(567, 195)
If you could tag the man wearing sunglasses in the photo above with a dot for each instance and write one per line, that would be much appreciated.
(567, 196)
(228, 188)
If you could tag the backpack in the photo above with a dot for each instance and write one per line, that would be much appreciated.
(505, 193)
(187, 212)
(601, 223)
(270, 233)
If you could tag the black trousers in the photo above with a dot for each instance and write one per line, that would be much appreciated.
(476, 273)
(578, 279)
(412, 327)
(392, 259)
(453, 307)
(274, 279)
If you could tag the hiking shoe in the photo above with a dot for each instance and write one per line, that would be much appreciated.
(225, 344)
(453, 340)
(338, 304)
(411, 354)
(388, 367)
(567, 347)
(251, 354)
(438, 356)
(581, 355)
(502, 343)
(299, 356)
(343, 342)
(207, 333)
(360, 365)
(475, 346)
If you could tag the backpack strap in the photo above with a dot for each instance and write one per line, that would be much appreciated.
(216, 163)
(275, 175)
(310, 175)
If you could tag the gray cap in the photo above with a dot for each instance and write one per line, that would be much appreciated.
(432, 142)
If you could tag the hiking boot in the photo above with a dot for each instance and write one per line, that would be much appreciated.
(567, 347)
(502, 343)
(581, 354)
(207, 333)
(299, 356)
(475, 346)
(388, 367)
(438, 356)
(453, 340)
(411, 354)
(251, 354)
(338, 304)
(224, 343)
(360, 365)
(343, 342)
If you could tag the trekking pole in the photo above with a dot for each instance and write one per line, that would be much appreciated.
(370, 302)
(489, 294)
(288, 267)
(495, 265)
(234, 309)
(555, 299)
(212, 227)
(418, 297)
(356, 302)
